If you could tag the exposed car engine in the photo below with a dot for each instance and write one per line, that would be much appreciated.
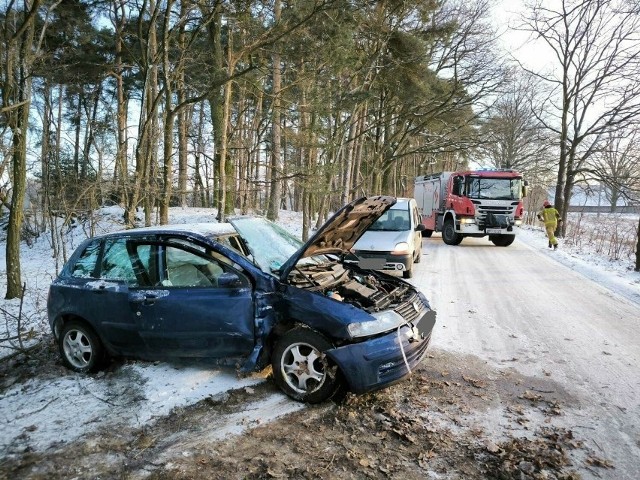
(368, 291)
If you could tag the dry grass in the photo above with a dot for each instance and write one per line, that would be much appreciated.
(611, 235)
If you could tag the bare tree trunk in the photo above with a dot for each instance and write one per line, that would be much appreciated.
(76, 144)
(559, 201)
(347, 179)
(255, 160)
(169, 120)
(120, 171)
(227, 180)
(18, 192)
(200, 189)
(275, 192)
(45, 151)
(242, 148)
(16, 101)
(144, 185)
(183, 116)
(216, 101)
(356, 182)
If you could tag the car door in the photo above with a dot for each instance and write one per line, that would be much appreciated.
(202, 306)
(101, 281)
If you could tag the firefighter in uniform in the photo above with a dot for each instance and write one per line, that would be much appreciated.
(551, 218)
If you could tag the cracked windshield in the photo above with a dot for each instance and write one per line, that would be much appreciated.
(270, 245)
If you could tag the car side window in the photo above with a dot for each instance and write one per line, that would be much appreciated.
(85, 265)
(125, 261)
(190, 269)
(234, 242)
(186, 269)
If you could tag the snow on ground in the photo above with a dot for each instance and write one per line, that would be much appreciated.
(616, 276)
(148, 392)
(59, 410)
(62, 408)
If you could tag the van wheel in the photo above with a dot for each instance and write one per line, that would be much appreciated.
(301, 369)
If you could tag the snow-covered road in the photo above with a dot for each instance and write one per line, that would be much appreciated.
(519, 307)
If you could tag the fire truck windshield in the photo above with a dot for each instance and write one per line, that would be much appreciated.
(494, 188)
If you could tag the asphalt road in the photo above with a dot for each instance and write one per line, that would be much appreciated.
(518, 307)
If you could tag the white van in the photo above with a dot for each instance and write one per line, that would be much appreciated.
(393, 242)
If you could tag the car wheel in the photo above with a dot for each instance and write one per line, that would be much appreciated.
(301, 369)
(408, 273)
(449, 235)
(80, 347)
(419, 254)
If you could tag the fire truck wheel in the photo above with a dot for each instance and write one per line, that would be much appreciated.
(449, 235)
(502, 240)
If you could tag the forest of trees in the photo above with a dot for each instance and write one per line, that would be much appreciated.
(303, 105)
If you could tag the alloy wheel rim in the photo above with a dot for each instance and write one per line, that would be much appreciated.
(304, 367)
(77, 348)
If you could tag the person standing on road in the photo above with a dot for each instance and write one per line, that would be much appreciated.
(551, 218)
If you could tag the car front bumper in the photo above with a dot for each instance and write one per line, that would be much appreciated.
(380, 260)
(386, 359)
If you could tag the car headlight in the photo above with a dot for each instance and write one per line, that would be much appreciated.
(402, 247)
(384, 321)
(467, 220)
(518, 221)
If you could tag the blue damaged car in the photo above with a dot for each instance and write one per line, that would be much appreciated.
(245, 291)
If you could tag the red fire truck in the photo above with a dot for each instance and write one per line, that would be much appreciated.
(472, 203)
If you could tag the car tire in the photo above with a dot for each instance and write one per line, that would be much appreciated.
(502, 240)
(418, 256)
(301, 369)
(449, 235)
(408, 273)
(80, 347)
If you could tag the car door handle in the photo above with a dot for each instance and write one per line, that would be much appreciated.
(101, 288)
(144, 299)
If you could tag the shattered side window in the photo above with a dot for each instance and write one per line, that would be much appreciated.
(86, 264)
(233, 242)
(116, 264)
(270, 245)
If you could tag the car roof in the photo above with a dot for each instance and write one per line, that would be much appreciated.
(204, 229)
(401, 204)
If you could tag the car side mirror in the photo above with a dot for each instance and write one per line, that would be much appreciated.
(229, 280)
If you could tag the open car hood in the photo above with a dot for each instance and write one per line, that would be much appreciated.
(342, 230)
